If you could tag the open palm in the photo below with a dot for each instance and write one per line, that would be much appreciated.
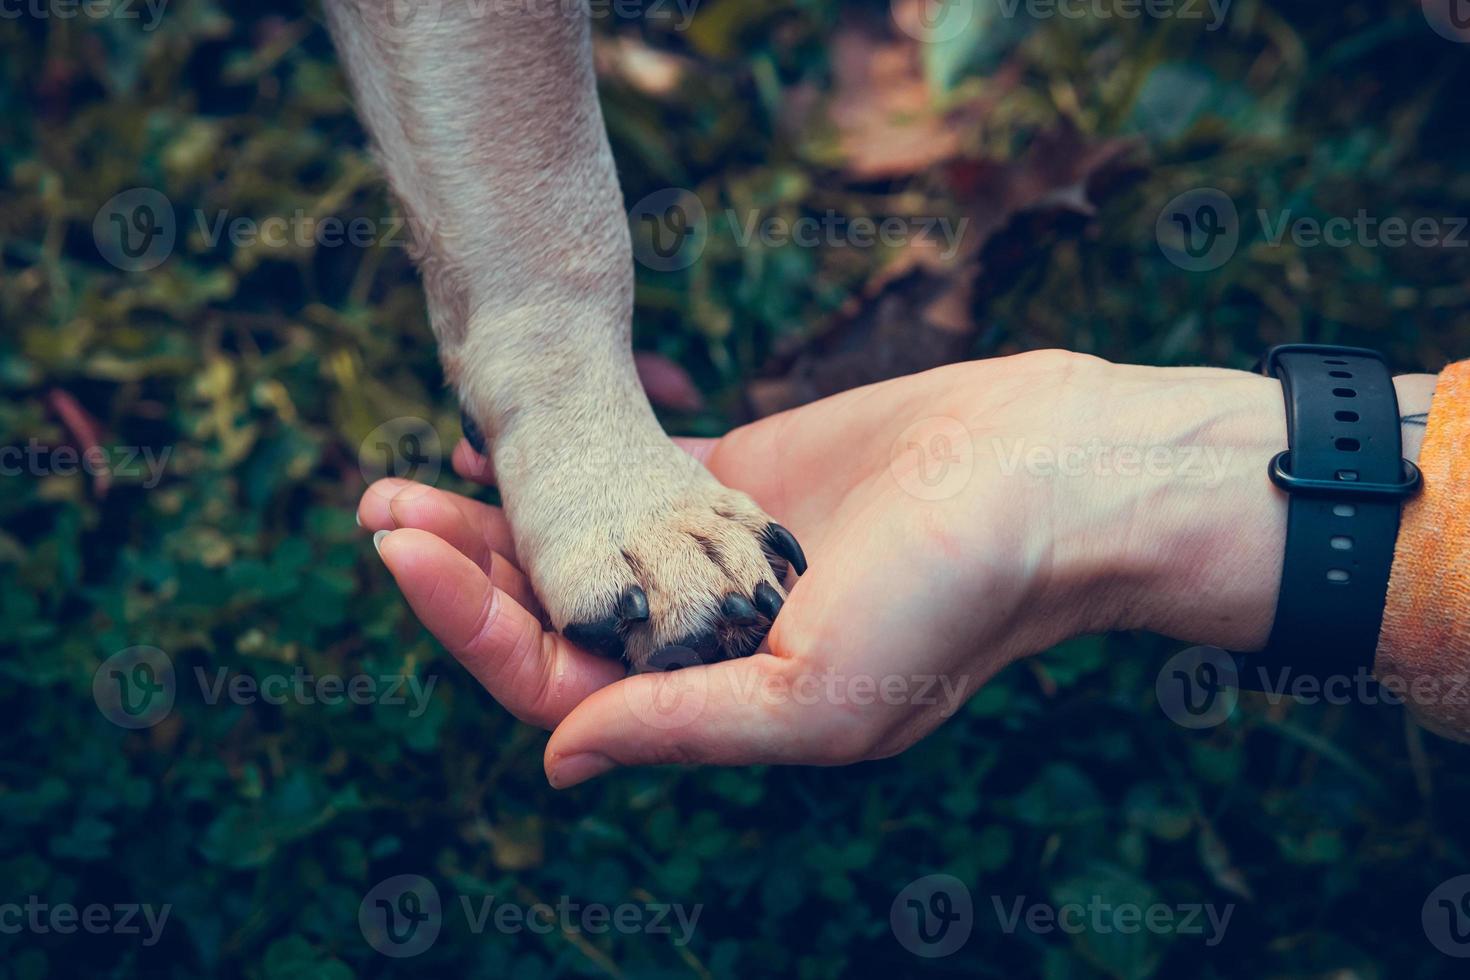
(923, 550)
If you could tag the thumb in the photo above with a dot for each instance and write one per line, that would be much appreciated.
(741, 712)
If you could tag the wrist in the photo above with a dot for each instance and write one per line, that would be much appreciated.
(1194, 546)
(1188, 539)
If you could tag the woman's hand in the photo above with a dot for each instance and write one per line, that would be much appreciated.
(954, 521)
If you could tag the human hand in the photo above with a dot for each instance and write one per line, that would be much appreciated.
(954, 520)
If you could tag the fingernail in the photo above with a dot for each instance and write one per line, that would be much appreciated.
(378, 537)
(357, 518)
(579, 768)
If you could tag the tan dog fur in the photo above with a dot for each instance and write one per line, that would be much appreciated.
(485, 116)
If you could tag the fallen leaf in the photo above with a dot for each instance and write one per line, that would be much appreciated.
(882, 108)
(923, 309)
(646, 70)
(86, 434)
(667, 384)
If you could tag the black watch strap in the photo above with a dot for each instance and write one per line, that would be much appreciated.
(1345, 473)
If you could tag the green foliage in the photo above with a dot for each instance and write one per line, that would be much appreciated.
(262, 370)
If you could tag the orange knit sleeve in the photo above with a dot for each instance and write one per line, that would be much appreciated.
(1424, 648)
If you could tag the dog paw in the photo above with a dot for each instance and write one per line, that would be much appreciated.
(659, 572)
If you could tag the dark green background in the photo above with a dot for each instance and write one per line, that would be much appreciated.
(263, 370)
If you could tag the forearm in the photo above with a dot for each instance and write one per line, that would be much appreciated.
(487, 121)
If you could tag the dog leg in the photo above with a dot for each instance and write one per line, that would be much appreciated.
(486, 119)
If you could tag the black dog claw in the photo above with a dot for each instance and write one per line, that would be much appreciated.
(472, 433)
(633, 606)
(768, 600)
(784, 544)
(601, 638)
(738, 611)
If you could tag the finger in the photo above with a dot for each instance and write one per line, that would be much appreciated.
(739, 712)
(537, 676)
(372, 508)
(471, 465)
(476, 529)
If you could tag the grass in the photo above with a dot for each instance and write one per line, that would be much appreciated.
(263, 370)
